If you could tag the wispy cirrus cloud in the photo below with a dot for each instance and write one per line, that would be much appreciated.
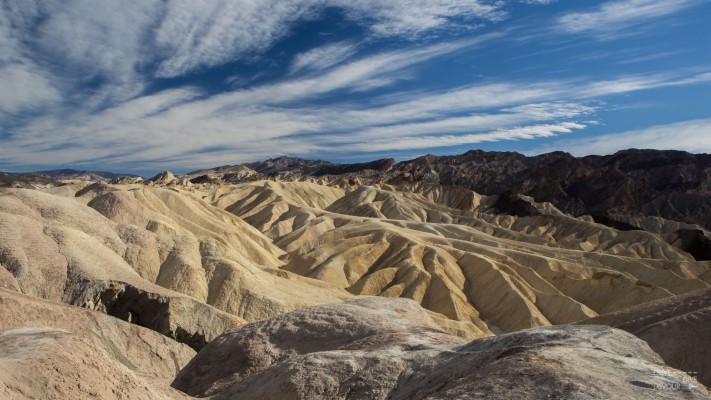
(24, 84)
(383, 68)
(25, 87)
(615, 15)
(155, 121)
(197, 34)
(121, 47)
(633, 83)
(493, 119)
(323, 57)
(421, 142)
(182, 128)
(537, 1)
(200, 34)
(412, 18)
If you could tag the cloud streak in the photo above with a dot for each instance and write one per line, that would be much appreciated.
(422, 142)
(619, 14)
(323, 57)
(121, 47)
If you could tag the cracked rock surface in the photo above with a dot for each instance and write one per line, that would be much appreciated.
(389, 348)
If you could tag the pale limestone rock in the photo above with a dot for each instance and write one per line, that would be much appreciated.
(388, 348)
(54, 351)
(677, 328)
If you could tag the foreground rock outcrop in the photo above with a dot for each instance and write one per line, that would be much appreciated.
(389, 348)
(677, 328)
(49, 350)
(180, 318)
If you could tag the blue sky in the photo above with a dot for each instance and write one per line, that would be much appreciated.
(187, 84)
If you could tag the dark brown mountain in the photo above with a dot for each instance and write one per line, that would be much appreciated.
(81, 174)
(673, 185)
(284, 164)
(28, 180)
(383, 166)
(670, 184)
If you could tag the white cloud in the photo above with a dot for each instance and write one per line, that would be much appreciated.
(422, 142)
(121, 46)
(537, 1)
(618, 14)
(423, 106)
(24, 87)
(196, 34)
(79, 41)
(199, 34)
(692, 136)
(323, 57)
(553, 110)
(521, 114)
(168, 121)
(411, 18)
(633, 83)
(378, 69)
(542, 97)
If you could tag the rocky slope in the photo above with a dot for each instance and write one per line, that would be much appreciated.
(383, 348)
(54, 351)
(257, 249)
(490, 272)
(677, 328)
(670, 184)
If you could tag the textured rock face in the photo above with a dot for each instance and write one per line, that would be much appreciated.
(693, 241)
(283, 246)
(50, 350)
(280, 164)
(484, 263)
(669, 184)
(239, 354)
(177, 317)
(388, 348)
(165, 178)
(677, 328)
(54, 364)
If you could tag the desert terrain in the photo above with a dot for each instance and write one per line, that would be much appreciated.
(482, 275)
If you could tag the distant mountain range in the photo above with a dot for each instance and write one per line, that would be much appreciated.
(47, 177)
(672, 184)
